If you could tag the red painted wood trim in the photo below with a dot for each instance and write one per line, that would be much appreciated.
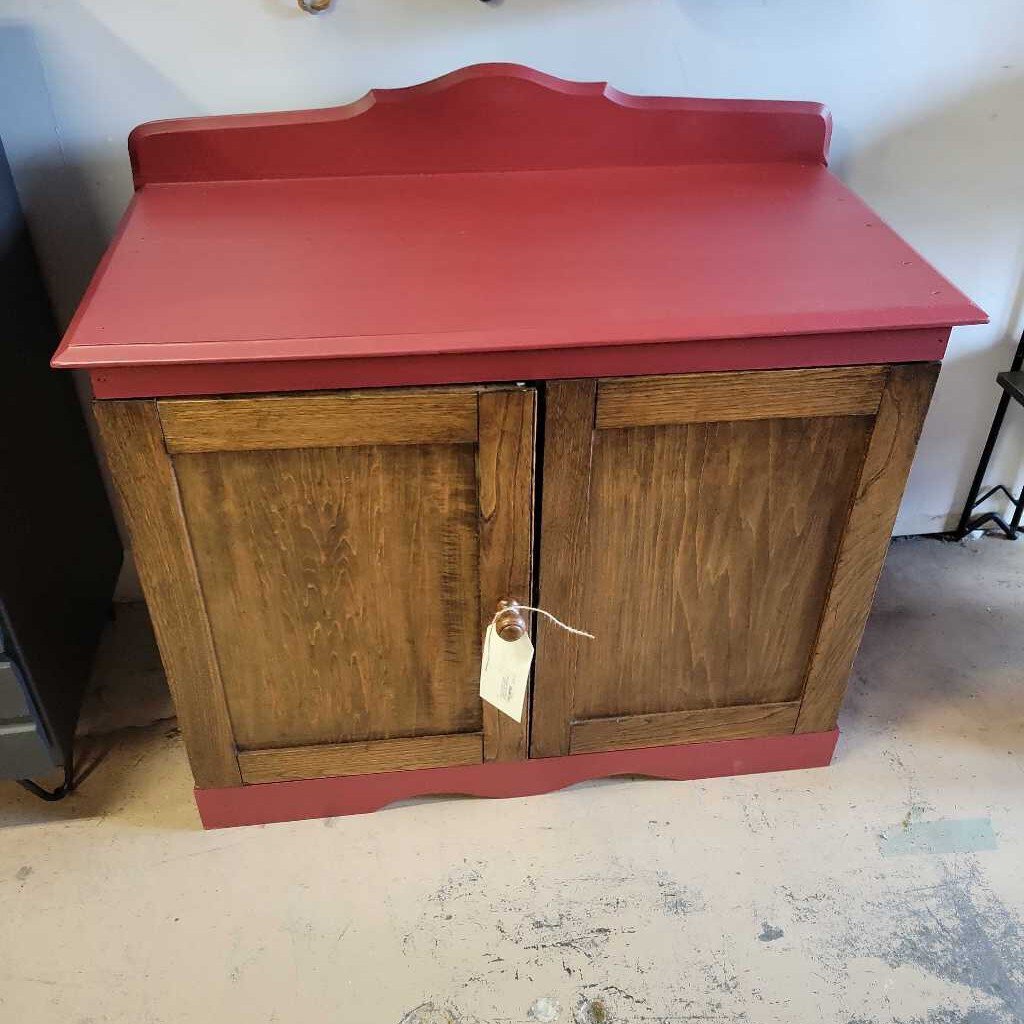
(543, 364)
(360, 794)
(477, 263)
(495, 210)
(487, 117)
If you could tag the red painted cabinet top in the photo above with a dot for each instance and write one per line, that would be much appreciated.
(496, 224)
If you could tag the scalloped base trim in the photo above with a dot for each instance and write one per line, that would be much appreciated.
(361, 794)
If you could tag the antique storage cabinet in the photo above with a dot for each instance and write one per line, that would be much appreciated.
(361, 374)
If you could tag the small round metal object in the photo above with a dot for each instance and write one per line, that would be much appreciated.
(509, 623)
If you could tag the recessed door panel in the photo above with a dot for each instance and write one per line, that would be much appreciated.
(341, 586)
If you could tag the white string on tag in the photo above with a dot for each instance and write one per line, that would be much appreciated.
(557, 621)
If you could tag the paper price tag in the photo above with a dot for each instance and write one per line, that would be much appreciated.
(504, 672)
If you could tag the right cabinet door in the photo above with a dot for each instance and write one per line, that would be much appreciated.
(721, 535)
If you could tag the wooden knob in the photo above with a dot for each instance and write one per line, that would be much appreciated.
(509, 623)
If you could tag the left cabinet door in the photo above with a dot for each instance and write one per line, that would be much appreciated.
(320, 569)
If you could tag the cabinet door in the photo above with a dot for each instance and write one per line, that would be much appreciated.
(721, 535)
(320, 567)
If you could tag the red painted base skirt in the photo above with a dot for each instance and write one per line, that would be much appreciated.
(359, 794)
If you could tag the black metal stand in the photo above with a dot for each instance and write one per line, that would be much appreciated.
(1012, 383)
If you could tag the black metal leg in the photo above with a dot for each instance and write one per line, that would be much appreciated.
(964, 526)
(1018, 512)
(992, 517)
(53, 794)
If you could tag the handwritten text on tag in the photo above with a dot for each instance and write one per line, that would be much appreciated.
(505, 671)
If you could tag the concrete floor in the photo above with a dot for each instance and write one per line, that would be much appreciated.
(888, 888)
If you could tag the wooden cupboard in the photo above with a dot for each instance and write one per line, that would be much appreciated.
(321, 567)
(362, 375)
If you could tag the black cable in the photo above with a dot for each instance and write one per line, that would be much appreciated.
(52, 795)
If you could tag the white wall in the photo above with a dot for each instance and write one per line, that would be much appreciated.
(928, 98)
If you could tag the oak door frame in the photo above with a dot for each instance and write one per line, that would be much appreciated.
(896, 396)
(141, 435)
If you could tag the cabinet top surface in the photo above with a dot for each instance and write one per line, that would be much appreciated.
(495, 209)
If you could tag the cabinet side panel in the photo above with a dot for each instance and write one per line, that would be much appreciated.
(565, 507)
(505, 458)
(342, 588)
(142, 472)
(865, 541)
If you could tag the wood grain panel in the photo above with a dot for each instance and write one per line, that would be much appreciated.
(710, 552)
(342, 587)
(290, 763)
(149, 500)
(626, 732)
(564, 515)
(746, 395)
(866, 540)
(420, 416)
(505, 459)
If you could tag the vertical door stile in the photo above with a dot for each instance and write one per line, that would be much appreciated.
(133, 441)
(568, 452)
(865, 541)
(505, 460)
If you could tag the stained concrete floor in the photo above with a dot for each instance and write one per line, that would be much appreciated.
(888, 888)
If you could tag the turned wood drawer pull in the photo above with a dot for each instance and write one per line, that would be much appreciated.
(509, 623)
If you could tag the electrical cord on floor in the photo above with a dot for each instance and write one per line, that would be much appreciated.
(52, 795)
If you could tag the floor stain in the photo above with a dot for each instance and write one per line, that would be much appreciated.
(545, 1010)
(945, 836)
(591, 1011)
(959, 1017)
(679, 899)
(429, 1013)
(955, 930)
(23, 872)
(961, 932)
